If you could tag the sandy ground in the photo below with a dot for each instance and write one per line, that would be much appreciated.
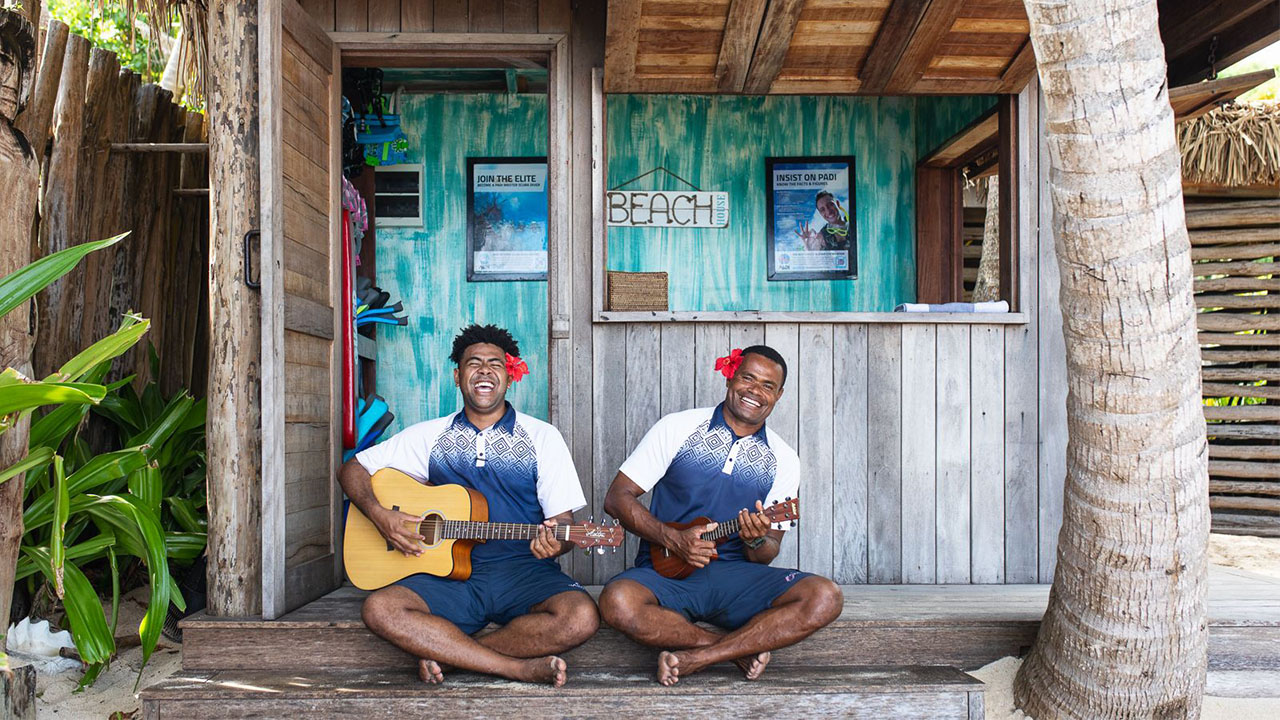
(114, 690)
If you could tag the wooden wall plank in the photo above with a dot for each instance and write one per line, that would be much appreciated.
(678, 368)
(710, 341)
(521, 16)
(987, 361)
(450, 16)
(1053, 352)
(322, 11)
(785, 418)
(954, 452)
(623, 37)
(919, 453)
(815, 385)
(884, 455)
(1022, 392)
(485, 16)
(643, 396)
(417, 15)
(849, 438)
(384, 15)
(554, 16)
(351, 15)
(609, 440)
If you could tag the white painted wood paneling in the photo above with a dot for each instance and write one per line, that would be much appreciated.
(849, 453)
(919, 453)
(785, 420)
(987, 453)
(816, 411)
(953, 452)
(884, 453)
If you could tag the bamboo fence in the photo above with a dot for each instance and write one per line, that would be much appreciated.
(1234, 244)
(109, 165)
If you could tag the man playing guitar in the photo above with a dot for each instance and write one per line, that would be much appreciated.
(719, 463)
(523, 468)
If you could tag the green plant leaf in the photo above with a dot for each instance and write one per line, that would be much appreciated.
(101, 469)
(88, 624)
(184, 546)
(144, 484)
(80, 554)
(21, 393)
(130, 515)
(19, 286)
(114, 345)
(61, 511)
(187, 514)
(50, 430)
(35, 460)
(163, 427)
(115, 589)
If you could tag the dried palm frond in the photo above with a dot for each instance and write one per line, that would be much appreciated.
(1235, 145)
(193, 14)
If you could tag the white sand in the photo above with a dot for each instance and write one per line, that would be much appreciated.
(1246, 552)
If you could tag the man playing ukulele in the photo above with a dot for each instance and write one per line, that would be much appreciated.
(718, 463)
(523, 468)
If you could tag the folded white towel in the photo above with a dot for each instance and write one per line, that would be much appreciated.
(998, 306)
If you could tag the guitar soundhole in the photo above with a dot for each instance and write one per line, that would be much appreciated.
(432, 528)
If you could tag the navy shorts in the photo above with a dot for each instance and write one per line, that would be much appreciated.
(496, 592)
(725, 593)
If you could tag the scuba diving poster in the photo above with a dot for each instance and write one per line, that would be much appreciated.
(506, 219)
(812, 234)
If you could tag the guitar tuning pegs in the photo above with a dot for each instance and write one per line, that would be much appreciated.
(793, 523)
(599, 551)
(591, 518)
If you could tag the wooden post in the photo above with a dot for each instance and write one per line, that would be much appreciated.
(35, 118)
(60, 223)
(234, 421)
(19, 175)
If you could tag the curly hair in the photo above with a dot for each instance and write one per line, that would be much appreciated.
(477, 334)
(768, 353)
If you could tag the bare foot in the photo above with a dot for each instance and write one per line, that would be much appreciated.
(753, 666)
(430, 672)
(550, 670)
(668, 668)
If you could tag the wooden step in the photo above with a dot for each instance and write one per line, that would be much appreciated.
(966, 626)
(848, 692)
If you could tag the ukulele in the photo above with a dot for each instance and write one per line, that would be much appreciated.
(454, 519)
(669, 564)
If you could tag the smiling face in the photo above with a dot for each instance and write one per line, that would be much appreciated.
(752, 392)
(828, 210)
(481, 375)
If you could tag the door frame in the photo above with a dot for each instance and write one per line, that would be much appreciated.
(550, 50)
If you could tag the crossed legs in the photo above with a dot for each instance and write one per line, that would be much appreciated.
(525, 649)
(796, 614)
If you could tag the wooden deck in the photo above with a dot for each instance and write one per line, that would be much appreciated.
(929, 692)
(964, 626)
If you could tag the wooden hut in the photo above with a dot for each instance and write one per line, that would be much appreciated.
(933, 444)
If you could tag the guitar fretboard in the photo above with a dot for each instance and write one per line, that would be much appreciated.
(471, 530)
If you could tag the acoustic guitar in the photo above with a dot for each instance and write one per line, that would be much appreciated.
(454, 519)
(669, 564)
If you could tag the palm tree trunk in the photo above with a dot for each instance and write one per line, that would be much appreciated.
(1124, 634)
(987, 288)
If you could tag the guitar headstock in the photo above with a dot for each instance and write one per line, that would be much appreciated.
(597, 535)
(785, 511)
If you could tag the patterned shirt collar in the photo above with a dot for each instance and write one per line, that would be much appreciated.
(507, 423)
(717, 420)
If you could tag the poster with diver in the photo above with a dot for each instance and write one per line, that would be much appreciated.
(812, 230)
(506, 219)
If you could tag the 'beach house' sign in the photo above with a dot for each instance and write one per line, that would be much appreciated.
(667, 208)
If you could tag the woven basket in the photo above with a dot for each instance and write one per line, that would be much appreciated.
(636, 291)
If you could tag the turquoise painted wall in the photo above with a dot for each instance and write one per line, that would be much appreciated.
(427, 267)
(721, 142)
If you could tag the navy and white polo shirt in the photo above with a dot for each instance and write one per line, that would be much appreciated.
(520, 464)
(697, 467)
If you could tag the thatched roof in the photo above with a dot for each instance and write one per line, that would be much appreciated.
(1236, 145)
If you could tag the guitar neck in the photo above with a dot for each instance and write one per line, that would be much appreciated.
(723, 530)
(471, 530)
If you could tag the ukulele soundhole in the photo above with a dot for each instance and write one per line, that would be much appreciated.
(432, 528)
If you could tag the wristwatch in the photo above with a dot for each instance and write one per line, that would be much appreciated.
(753, 544)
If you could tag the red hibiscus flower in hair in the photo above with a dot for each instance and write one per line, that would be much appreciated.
(516, 368)
(728, 365)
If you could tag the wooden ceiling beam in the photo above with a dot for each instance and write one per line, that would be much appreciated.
(1235, 42)
(622, 37)
(741, 30)
(771, 49)
(1186, 28)
(1020, 69)
(934, 25)
(896, 30)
